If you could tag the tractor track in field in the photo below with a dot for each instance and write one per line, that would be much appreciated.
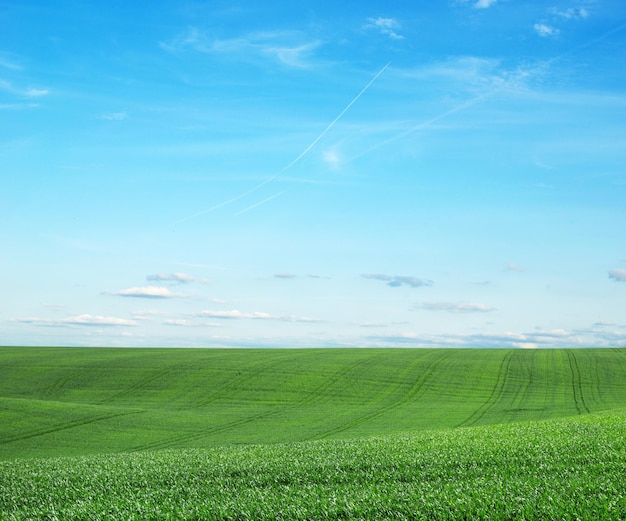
(173, 441)
(137, 386)
(416, 389)
(63, 426)
(577, 387)
(59, 385)
(248, 375)
(318, 393)
(519, 399)
(494, 396)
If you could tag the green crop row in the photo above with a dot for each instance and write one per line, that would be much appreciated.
(562, 469)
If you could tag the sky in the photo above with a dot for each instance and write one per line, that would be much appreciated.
(313, 174)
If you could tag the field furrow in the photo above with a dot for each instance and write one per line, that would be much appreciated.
(494, 396)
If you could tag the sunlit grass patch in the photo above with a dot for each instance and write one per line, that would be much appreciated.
(560, 469)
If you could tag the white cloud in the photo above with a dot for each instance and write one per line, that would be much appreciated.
(285, 275)
(114, 116)
(90, 320)
(7, 64)
(386, 26)
(557, 16)
(146, 292)
(514, 267)
(18, 106)
(176, 277)
(180, 323)
(332, 159)
(480, 76)
(146, 314)
(217, 300)
(29, 92)
(523, 340)
(373, 324)
(618, 275)
(484, 4)
(545, 30)
(50, 305)
(295, 56)
(395, 281)
(573, 13)
(235, 314)
(456, 307)
(35, 93)
(79, 320)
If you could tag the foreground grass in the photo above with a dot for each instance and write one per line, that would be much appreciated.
(74, 401)
(570, 468)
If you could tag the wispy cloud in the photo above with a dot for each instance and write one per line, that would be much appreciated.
(155, 292)
(175, 277)
(147, 315)
(544, 30)
(484, 4)
(29, 92)
(460, 68)
(32, 92)
(287, 47)
(235, 314)
(548, 27)
(395, 281)
(8, 64)
(183, 322)
(114, 116)
(332, 158)
(523, 340)
(385, 26)
(285, 275)
(456, 307)
(18, 106)
(514, 267)
(618, 275)
(78, 320)
(90, 320)
(573, 13)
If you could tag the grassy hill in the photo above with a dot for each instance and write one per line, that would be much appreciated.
(73, 401)
(312, 434)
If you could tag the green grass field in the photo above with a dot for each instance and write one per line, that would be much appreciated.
(312, 433)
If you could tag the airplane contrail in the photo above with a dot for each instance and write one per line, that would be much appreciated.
(481, 97)
(279, 174)
(427, 123)
(307, 149)
(261, 202)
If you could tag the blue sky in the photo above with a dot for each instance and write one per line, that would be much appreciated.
(313, 174)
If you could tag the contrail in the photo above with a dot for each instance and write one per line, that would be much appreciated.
(307, 149)
(260, 202)
(302, 154)
(427, 123)
(478, 99)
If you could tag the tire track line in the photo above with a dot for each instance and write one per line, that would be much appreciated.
(63, 426)
(577, 387)
(411, 394)
(495, 394)
(248, 375)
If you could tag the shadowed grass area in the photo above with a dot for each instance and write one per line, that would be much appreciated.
(72, 401)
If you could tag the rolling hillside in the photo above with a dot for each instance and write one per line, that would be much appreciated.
(73, 401)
